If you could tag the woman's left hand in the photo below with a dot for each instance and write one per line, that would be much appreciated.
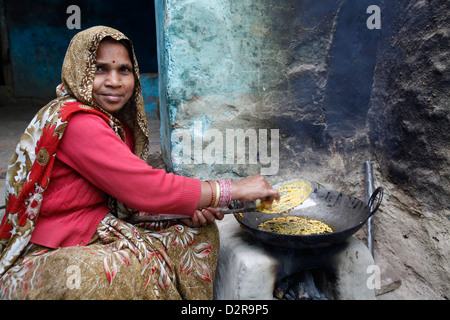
(203, 217)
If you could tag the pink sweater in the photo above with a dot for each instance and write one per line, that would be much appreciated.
(92, 162)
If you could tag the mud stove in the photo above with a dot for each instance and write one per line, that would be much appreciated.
(249, 270)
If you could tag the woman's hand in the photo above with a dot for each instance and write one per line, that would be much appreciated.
(246, 190)
(252, 188)
(203, 217)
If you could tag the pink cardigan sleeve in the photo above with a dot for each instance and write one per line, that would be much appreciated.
(92, 149)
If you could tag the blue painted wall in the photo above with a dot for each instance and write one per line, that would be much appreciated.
(150, 92)
(38, 39)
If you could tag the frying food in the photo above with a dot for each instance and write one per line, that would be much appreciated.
(294, 226)
(291, 195)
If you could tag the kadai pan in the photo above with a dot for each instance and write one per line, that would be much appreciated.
(344, 213)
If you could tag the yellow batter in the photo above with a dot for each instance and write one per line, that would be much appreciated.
(291, 193)
(294, 226)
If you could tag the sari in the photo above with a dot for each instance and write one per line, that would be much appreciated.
(158, 260)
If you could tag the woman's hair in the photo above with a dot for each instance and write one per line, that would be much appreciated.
(126, 43)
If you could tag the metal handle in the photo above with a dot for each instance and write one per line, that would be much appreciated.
(369, 190)
(237, 210)
(379, 191)
(237, 206)
(155, 217)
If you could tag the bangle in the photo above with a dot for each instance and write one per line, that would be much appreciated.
(212, 194)
(216, 203)
(228, 188)
(225, 193)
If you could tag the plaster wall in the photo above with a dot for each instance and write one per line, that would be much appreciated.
(301, 70)
(339, 94)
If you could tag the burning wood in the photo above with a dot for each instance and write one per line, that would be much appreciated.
(302, 286)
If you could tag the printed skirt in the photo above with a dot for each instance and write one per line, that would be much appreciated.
(164, 260)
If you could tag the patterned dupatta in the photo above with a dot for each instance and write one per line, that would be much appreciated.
(30, 168)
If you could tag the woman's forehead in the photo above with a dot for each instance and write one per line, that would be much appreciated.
(113, 50)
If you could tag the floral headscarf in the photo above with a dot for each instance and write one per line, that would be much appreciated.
(30, 167)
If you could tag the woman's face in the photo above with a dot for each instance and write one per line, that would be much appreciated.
(114, 78)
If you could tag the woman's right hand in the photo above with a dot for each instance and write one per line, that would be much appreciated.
(247, 190)
(252, 188)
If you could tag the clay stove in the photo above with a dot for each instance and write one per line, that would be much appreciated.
(248, 270)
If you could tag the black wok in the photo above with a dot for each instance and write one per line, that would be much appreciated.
(345, 214)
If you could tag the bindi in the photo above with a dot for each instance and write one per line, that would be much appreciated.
(114, 61)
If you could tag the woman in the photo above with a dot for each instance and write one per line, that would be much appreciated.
(79, 171)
